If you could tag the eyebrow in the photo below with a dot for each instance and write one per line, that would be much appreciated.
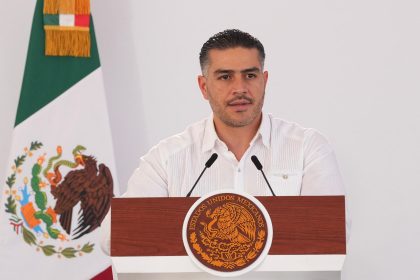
(228, 71)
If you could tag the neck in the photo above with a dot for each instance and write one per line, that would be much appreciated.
(237, 139)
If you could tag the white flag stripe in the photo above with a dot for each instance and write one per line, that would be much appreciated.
(77, 117)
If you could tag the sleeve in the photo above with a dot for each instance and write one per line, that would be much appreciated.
(150, 178)
(321, 175)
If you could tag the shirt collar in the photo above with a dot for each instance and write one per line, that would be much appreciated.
(265, 129)
(210, 136)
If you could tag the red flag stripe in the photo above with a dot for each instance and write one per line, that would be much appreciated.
(104, 275)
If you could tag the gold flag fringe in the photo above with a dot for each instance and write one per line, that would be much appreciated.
(66, 7)
(79, 7)
(83, 7)
(59, 42)
(51, 7)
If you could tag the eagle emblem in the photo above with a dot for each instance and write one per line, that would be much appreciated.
(226, 233)
(230, 222)
(53, 201)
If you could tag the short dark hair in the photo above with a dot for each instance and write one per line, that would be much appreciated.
(230, 38)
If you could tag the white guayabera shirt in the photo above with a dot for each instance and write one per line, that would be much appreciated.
(296, 161)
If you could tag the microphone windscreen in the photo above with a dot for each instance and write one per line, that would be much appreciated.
(257, 163)
(211, 160)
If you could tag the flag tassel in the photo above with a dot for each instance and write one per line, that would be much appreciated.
(83, 7)
(61, 42)
(66, 25)
(51, 6)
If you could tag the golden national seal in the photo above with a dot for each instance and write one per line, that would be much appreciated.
(226, 232)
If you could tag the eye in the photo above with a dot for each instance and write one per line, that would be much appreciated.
(251, 76)
(224, 77)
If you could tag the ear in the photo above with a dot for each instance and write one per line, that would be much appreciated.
(265, 75)
(202, 84)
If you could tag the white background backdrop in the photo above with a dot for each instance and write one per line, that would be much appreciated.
(348, 68)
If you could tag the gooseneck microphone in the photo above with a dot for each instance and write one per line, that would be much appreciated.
(259, 166)
(209, 163)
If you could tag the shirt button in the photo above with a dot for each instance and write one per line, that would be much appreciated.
(285, 177)
(239, 170)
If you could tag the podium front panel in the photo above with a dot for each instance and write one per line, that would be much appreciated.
(302, 225)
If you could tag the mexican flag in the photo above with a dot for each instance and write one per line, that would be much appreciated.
(61, 175)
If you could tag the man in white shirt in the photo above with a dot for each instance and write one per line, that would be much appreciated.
(297, 161)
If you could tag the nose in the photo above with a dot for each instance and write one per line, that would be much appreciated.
(239, 86)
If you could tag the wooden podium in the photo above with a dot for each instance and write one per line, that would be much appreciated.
(309, 235)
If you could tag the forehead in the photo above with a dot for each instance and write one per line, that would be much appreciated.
(234, 59)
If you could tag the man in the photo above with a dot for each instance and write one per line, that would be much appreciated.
(298, 161)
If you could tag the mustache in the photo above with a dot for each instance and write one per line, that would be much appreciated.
(241, 97)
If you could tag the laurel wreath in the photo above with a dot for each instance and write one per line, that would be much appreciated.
(233, 264)
(17, 222)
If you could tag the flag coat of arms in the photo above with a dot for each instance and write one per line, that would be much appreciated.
(61, 174)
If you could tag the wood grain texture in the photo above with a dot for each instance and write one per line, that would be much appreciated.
(301, 225)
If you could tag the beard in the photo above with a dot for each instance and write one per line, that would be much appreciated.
(237, 119)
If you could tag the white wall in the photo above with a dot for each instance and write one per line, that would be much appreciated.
(348, 68)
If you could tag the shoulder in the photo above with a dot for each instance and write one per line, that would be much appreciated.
(190, 137)
(309, 137)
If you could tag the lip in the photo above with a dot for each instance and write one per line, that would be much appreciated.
(239, 106)
(239, 102)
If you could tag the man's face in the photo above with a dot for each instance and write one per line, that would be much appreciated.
(234, 84)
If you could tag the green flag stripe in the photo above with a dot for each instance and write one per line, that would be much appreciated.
(47, 77)
(51, 20)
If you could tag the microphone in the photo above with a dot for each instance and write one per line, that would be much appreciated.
(259, 166)
(211, 160)
(209, 163)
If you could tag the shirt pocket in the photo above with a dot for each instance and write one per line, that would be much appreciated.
(286, 182)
